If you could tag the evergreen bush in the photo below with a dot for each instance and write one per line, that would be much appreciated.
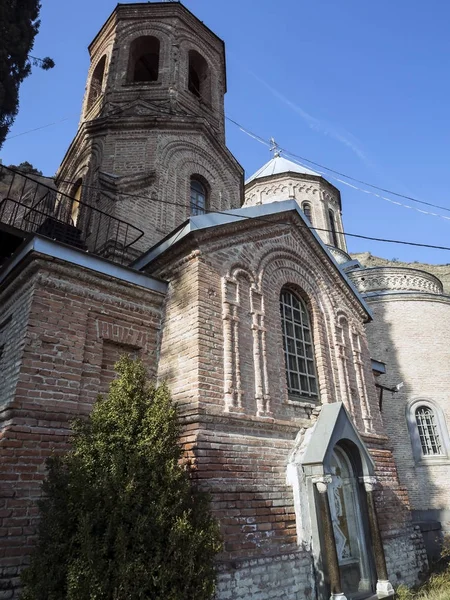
(120, 518)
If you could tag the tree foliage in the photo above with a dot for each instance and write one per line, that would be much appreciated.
(120, 518)
(19, 25)
(27, 168)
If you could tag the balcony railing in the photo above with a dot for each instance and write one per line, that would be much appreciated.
(30, 206)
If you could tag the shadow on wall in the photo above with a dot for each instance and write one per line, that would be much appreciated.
(398, 337)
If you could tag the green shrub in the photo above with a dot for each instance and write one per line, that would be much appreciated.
(120, 518)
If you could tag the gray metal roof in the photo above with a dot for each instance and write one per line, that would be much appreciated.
(210, 220)
(278, 165)
(81, 258)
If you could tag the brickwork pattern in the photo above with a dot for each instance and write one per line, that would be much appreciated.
(241, 450)
(74, 326)
(138, 147)
(321, 196)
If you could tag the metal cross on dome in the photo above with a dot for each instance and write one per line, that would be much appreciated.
(275, 148)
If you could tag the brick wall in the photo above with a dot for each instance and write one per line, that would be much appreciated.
(137, 160)
(73, 325)
(241, 452)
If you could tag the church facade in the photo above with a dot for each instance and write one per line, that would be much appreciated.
(275, 343)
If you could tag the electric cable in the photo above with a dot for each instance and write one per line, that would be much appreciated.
(262, 219)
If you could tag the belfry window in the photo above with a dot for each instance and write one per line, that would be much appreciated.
(298, 346)
(96, 87)
(198, 198)
(306, 207)
(198, 81)
(430, 441)
(144, 59)
(333, 231)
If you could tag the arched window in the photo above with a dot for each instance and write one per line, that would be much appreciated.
(306, 207)
(96, 86)
(429, 437)
(198, 198)
(428, 430)
(75, 208)
(198, 82)
(334, 237)
(298, 346)
(144, 59)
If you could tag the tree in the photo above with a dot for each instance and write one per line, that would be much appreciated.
(27, 168)
(120, 517)
(19, 25)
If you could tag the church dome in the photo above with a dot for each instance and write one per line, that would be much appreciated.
(278, 165)
(282, 179)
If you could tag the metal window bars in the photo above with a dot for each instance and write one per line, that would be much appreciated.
(298, 347)
(428, 432)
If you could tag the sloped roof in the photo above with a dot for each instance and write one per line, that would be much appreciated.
(278, 165)
(334, 425)
(220, 219)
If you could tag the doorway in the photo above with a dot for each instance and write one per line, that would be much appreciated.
(348, 514)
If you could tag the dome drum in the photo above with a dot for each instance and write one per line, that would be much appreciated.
(376, 280)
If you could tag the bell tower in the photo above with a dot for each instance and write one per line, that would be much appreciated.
(150, 148)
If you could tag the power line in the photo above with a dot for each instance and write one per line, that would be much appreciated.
(10, 137)
(286, 152)
(262, 219)
(350, 177)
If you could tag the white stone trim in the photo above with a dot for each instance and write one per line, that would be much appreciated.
(442, 428)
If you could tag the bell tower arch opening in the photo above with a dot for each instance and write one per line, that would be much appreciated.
(143, 62)
(199, 81)
(96, 86)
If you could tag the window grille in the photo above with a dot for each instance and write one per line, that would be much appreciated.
(198, 198)
(298, 346)
(428, 432)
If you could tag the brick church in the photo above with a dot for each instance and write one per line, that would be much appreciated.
(303, 378)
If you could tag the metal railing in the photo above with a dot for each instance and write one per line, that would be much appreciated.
(31, 206)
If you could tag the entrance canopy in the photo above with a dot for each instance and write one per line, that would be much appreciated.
(334, 426)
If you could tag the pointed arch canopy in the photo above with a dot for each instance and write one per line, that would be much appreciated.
(335, 427)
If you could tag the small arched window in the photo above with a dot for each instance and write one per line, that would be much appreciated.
(334, 237)
(306, 207)
(75, 208)
(144, 59)
(427, 428)
(198, 198)
(198, 76)
(298, 346)
(96, 87)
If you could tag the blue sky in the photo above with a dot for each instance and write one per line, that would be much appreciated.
(361, 87)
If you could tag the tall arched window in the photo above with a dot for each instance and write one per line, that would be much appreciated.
(144, 59)
(198, 81)
(427, 428)
(198, 197)
(298, 346)
(95, 89)
(75, 208)
(334, 237)
(306, 207)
